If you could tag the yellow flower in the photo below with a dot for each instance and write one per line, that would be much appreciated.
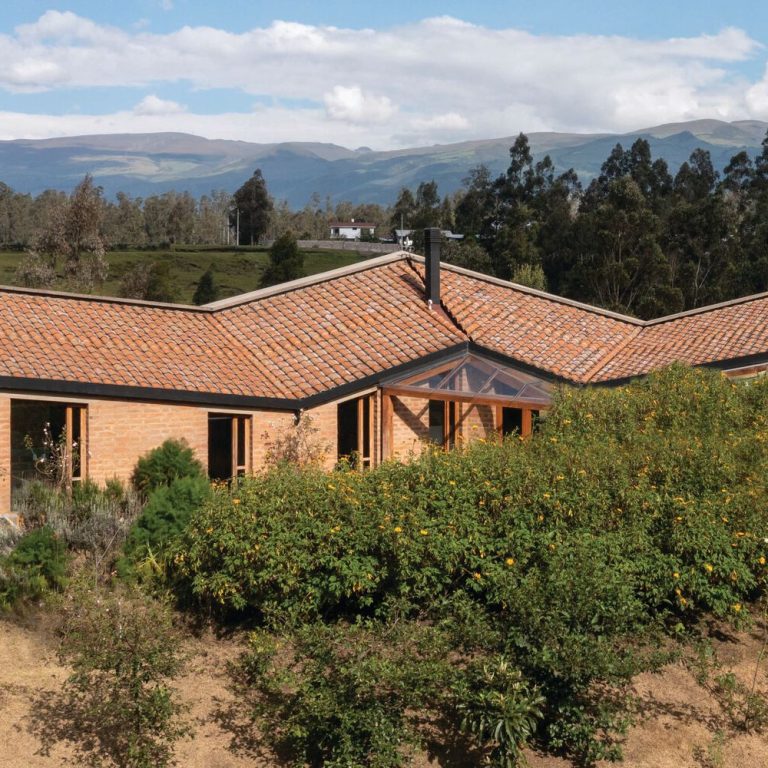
(451, 482)
(235, 501)
(675, 575)
(547, 495)
(708, 568)
(761, 560)
(510, 561)
(477, 576)
(397, 529)
(560, 477)
(736, 607)
(424, 532)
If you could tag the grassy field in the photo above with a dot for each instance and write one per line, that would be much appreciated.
(235, 271)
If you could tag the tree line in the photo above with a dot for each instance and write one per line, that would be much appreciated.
(635, 239)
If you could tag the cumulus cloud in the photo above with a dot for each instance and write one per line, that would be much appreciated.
(153, 105)
(440, 79)
(354, 106)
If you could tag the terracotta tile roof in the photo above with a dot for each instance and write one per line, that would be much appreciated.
(291, 344)
(710, 335)
(561, 337)
(316, 334)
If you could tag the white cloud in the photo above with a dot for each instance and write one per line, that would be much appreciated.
(354, 106)
(440, 79)
(153, 105)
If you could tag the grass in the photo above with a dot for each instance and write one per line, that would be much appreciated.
(235, 271)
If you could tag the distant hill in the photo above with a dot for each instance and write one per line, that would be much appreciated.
(147, 164)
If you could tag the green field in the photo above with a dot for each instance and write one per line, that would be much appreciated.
(235, 271)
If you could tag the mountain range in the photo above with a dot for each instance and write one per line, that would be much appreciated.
(147, 164)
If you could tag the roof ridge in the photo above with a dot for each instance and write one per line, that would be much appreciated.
(707, 308)
(304, 282)
(52, 294)
(536, 292)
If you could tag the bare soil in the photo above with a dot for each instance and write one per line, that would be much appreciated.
(679, 724)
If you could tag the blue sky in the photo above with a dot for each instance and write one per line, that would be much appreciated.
(376, 74)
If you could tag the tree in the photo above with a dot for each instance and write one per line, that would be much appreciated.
(73, 233)
(254, 205)
(117, 707)
(207, 290)
(286, 261)
(149, 281)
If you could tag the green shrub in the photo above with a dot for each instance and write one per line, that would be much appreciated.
(88, 519)
(37, 565)
(164, 517)
(632, 514)
(117, 707)
(162, 465)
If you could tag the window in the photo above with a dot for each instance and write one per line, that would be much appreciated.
(354, 430)
(442, 423)
(48, 442)
(229, 445)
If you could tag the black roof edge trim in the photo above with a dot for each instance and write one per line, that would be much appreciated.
(500, 357)
(122, 392)
(376, 379)
(727, 364)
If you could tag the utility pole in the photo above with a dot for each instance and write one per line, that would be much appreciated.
(237, 241)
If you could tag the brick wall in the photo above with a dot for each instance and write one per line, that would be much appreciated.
(475, 421)
(120, 431)
(410, 425)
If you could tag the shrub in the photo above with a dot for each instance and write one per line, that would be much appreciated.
(633, 513)
(164, 464)
(117, 706)
(89, 519)
(37, 565)
(164, 517)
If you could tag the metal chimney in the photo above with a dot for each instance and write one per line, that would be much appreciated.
(432, 237)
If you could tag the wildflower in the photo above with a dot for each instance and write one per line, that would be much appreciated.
(708, 568)
(397, 529)
(560, 477)
(675, 575)
(477, 576)
(510, 561)
(235, 501)
(331, 487)
(546, 495)
(761, 560)
(582, 472)
(451, 482)
(736, 607)
(424, 532)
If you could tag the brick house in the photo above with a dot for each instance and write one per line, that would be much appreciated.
(383, 356)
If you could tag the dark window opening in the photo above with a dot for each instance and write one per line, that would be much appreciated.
(511, 421)
(47, 443)
(354, 431)
(436, 422)
(228, 445)
(442, 423)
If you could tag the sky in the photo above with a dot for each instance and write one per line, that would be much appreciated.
(383, 75)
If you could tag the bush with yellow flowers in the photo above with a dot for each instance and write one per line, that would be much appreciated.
(561, 560)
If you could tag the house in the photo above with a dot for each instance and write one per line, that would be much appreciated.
(382, 356)
(351, 230)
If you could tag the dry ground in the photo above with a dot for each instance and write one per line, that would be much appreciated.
(680, 724)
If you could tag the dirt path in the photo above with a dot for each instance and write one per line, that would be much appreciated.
(680, 724)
